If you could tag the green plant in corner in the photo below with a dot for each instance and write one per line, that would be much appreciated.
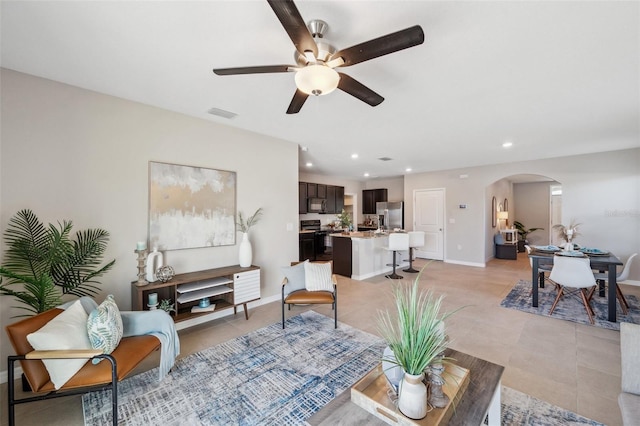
(48, 263)
(523, 231)
(243, 226)
(345, 219)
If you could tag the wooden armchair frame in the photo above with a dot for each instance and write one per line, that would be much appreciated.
(91, 377)
(305, 297)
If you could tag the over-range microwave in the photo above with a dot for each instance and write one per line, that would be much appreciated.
(316, 205)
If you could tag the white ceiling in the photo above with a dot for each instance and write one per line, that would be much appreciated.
(554, 77)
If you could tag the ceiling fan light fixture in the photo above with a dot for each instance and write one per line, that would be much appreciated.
(317, 80)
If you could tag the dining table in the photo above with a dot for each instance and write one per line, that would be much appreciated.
(602, 262)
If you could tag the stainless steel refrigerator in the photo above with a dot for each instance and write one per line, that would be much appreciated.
(390, 214)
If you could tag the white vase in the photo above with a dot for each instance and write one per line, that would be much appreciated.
(245, 255)
(568, 246)
(412, 398)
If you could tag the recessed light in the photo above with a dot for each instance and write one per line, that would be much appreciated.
(309, 164)
(366, 174)
(354, 156)
(507, 144)
(408, 169)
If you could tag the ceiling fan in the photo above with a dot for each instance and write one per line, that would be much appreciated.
(316, 59)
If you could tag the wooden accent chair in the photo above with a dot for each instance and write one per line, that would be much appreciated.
(294, 291)
(104, 375)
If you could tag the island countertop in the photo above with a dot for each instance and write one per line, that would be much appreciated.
(363, 254)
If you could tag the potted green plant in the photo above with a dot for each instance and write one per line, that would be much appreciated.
(246, 252)
(345, 220)
(415, 334)
(522, 233)
(48, 263)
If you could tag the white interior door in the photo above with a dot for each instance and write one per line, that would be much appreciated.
(428, 216)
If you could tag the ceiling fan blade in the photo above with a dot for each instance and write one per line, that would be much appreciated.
(380, 46)
(355, 88)
(296, 103)
(294, 25)
(253, 70)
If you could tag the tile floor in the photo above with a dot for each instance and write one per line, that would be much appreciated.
(570, 365)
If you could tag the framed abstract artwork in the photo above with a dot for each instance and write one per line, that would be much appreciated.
(191, 207)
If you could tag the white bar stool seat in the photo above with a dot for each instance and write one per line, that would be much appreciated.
(398, 241)
(416, 239)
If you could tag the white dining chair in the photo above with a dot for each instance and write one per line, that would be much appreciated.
(573, 272)
(416, 239)
(622, 276)
(398, 241)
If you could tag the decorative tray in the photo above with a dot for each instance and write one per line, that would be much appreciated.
(547, 249)
(594, 251)
(570, 253)
(371, 394)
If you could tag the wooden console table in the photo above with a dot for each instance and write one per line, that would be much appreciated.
(480, 400)
(228, 287)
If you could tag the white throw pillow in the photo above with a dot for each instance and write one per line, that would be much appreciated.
(104, 327)
(295, 277)
(66, 331)
(317, 277)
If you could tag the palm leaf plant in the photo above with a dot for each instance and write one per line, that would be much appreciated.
(49, 263)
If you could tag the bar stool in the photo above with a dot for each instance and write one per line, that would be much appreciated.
(416, 239)
(397, 242)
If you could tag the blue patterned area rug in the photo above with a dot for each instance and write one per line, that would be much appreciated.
(521, 409)
(570, 307)
(269, 376)
(274, 377)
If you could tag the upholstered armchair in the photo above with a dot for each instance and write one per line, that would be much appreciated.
(307, 283)
(64, 364)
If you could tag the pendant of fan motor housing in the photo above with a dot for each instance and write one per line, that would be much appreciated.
(318, 29)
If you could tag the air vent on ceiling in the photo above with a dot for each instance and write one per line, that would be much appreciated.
(385, 159)
(222, 113)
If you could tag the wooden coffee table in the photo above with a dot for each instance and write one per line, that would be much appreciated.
(481, 398)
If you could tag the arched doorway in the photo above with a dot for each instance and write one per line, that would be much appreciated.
(534, 201)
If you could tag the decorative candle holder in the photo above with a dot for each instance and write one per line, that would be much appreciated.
(142, 265)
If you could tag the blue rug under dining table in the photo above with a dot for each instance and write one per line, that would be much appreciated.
(569, 308)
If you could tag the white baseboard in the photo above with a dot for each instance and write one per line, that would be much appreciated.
(630, 282)
(460, 262)
(4, 376)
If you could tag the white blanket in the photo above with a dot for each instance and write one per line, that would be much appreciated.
(156, 323)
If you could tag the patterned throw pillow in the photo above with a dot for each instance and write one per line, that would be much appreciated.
(104, 327)
(317, 277)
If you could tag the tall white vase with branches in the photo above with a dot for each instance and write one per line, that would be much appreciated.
(245, 254)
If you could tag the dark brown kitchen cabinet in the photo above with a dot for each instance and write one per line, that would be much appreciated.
(322, 191)
(312, 190)
(307, 246)
(331, 199)
(339, 199)
(302, 197)
(370, 197)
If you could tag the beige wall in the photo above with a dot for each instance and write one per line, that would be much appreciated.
(601, 191)
(532, 203)
(68, 153)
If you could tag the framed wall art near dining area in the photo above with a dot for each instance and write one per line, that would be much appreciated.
(494, 212)
(191, 207)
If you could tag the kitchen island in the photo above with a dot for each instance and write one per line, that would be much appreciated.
(363, 255)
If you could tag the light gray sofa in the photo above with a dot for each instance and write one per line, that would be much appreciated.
(629, 399)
